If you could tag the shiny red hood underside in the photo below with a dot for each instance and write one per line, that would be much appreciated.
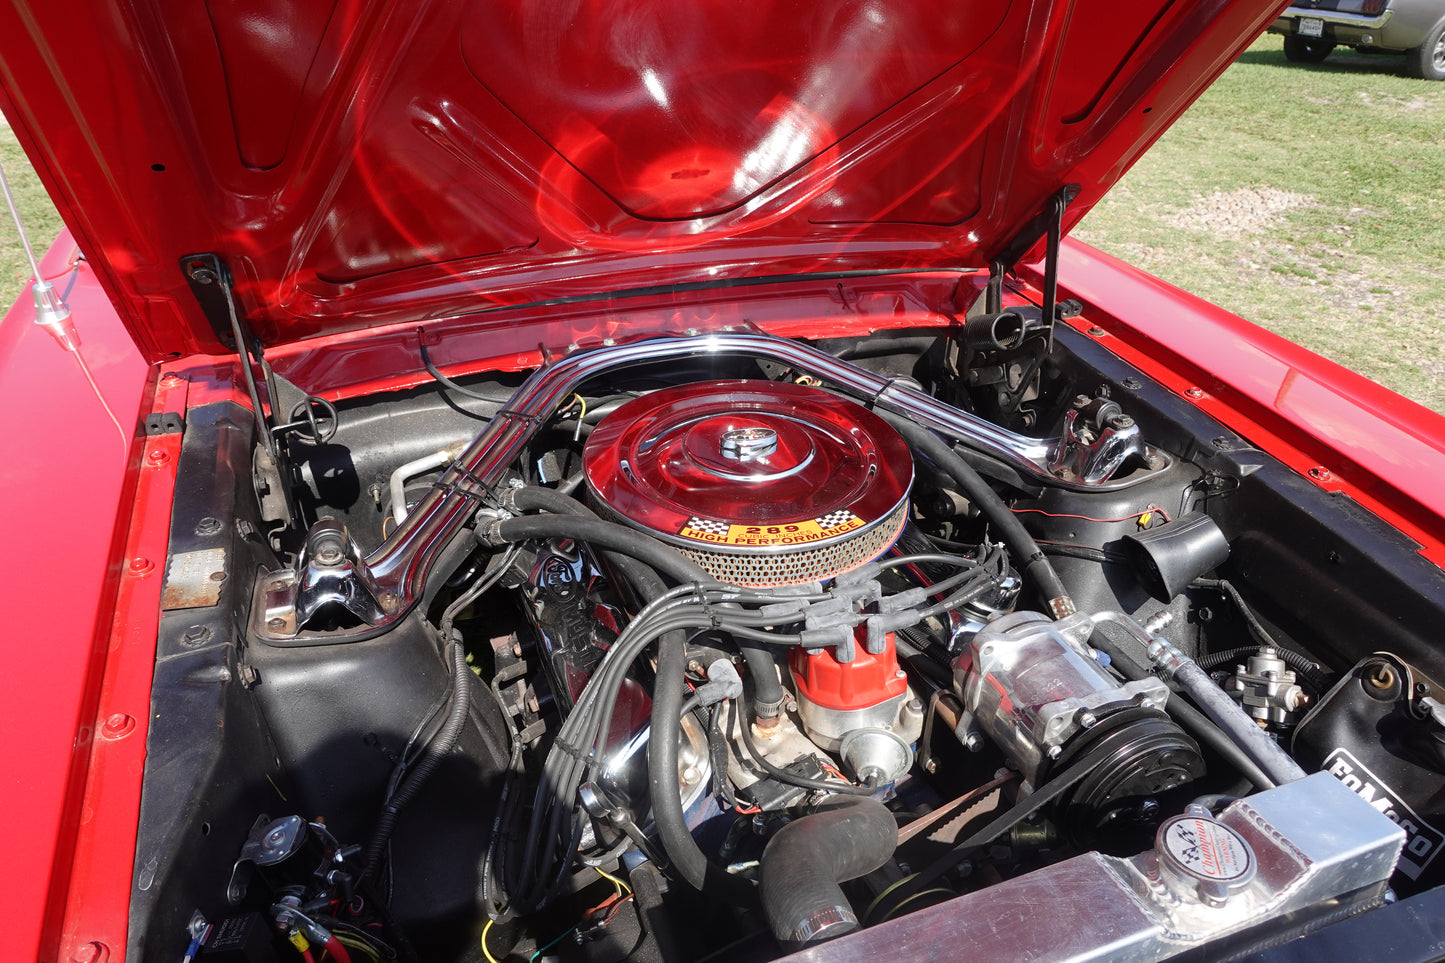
(358, 164)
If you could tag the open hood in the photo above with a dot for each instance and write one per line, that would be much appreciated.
(356, 164)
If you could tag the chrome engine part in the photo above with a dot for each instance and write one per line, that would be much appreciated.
(396, 571)
(1038, 691)
(760, 483)
(1305, 850)
(1268, 689)
(715, 603)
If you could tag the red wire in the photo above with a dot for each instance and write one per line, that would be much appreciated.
(306, 955)
(70, 266)
(337, 950)
(1088, 518)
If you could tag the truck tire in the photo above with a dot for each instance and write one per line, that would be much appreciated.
(1306, 50)
(1427, 61)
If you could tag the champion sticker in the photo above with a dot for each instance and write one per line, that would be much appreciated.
(1423, 841)
(793, 533)
(1207, 849)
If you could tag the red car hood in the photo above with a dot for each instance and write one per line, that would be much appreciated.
(359, 164)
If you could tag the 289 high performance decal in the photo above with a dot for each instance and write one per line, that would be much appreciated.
(792, 533)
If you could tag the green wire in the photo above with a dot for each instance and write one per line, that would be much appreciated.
(544, 949)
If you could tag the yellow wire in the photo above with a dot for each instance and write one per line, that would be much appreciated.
(488, 953)
(361, 946)
(615, 881)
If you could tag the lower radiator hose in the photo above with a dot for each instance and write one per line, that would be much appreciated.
(804, 863)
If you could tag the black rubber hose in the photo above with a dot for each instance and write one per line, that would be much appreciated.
(441, 744)
(501, 398)
(768, 694)
(605, 535)
(1207, 732)
(792, 778)
(1300, 663)
(676, 839)
(559, 503)
(807, 859)
(1198, 724)
(1036, 566)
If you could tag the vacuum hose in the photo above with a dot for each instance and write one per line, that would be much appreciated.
(1021, 544)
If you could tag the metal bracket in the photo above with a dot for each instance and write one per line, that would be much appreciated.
(209, 280)
(1090, 454)
(330, 572)
(211, 283)
(1047, 225)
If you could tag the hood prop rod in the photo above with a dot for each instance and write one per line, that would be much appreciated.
(1048, 225)
(211, 283)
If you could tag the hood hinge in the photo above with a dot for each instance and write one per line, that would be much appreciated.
(211, 283)
(1049, 225)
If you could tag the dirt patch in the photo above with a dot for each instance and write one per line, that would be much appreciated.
(1233, 214)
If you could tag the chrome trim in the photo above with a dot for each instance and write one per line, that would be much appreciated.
(398, 567)
(1355, 21)
(1320, 849)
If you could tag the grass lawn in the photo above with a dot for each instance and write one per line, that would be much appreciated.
(1309, 199)
(41, 221)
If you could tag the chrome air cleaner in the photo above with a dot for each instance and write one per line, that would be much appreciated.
(761, 483)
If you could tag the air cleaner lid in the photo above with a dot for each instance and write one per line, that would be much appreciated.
(748, 466)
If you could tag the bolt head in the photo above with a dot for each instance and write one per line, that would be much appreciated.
(276, 625)
(140, 565)
(170, 380)
(157, 457)
(931, 766)
(117, 726)
(208, 526)
(1194, 392)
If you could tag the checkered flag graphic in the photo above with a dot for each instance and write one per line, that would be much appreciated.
(707, 525)
(834, 519)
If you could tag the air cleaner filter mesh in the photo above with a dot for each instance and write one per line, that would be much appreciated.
(761, 483)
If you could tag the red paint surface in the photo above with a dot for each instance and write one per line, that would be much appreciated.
(66, 480)
(1385, 451)
(363, 164)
